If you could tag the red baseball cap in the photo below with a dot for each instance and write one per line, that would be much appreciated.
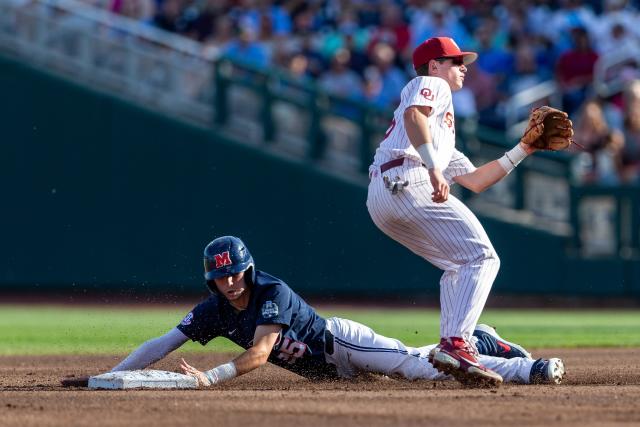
(440, 47)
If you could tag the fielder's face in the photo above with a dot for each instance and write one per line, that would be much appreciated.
(233, 287)
(452, 70)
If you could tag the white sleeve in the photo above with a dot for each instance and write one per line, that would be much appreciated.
(428, 91)
(458, 165)
(152, 351)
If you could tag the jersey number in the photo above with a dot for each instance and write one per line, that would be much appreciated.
(448, 119)
(291, 350)
(388, 132)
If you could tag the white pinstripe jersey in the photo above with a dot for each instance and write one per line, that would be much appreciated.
(435, 93)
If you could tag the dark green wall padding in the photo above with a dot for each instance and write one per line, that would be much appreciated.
(99, 195)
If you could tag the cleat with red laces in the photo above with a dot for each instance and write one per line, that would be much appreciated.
(455, 357)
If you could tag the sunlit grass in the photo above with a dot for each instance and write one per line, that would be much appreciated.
(93, 330)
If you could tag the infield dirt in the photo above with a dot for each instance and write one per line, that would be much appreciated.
(602, 387)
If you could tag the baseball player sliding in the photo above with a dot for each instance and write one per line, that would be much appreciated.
(260, 313)
(409, 200)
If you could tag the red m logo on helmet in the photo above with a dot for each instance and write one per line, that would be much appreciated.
(222, 259)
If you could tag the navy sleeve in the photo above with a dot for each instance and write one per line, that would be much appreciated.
(275, 306)
(202, 324)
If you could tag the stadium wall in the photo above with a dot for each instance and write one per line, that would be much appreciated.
(100, 195)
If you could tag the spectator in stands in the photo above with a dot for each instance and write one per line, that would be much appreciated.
(340, 80)
(539, 15)
(525, 72)
(574, 70)
(253, 14)
(383, 80)
(393, 30)
(437, 18)
(335, 35)
(140, 10)
(247, 50)
(521, 43)
(223, 34)
(591, 127)
(493, 57)
(344, 82)
(608, 159)
(603, 145)
(631, 151)
(169, 17)
(571, 14)
(203, 18)
(617, 25)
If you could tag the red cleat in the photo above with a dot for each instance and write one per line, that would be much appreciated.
(455, 357)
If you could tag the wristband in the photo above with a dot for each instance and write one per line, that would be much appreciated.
(512, 158)
(428, 154)
(221, 373)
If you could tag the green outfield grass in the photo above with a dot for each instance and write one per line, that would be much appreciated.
(81, 330)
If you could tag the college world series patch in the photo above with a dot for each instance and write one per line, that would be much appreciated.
(269, 309)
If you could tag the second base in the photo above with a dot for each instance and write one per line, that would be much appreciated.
(142, 379)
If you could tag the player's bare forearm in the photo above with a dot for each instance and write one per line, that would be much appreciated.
(264, 339)
(151, 351)
(488, 174)
(482, 178)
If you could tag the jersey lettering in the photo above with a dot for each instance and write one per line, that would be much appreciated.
(222, 259)
(426, 92)
(291, 350)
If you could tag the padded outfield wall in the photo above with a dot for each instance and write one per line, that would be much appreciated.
(100, 195)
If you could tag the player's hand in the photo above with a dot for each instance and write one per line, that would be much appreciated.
(198, 375)
(440, 186)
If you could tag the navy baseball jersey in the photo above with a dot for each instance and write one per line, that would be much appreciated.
(301, 345)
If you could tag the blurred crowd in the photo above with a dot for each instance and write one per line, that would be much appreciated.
(361, 49)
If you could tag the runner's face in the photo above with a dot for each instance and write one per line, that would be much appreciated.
(232, 287)
(452, 70)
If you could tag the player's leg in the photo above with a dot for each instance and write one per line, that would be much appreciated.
(464, 288)
(357, 348)
(449, 236)
(489, 343)
(523, 370)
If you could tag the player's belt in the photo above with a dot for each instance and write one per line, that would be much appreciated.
(328, 342)
(393, 164)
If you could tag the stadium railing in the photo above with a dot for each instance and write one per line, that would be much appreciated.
(160, 70)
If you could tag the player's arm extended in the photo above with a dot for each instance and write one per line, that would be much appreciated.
(490, 173)
(264, 339)
(152, 351)
(416, 124)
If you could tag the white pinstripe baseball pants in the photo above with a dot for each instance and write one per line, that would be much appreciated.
(358, 348)
(448, 235)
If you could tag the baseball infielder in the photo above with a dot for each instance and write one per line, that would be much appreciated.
(260, 313)
(409, 200)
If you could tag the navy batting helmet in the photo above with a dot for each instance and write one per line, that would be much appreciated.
(226, 256)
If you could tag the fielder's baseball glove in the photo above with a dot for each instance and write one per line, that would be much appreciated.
(548, 129)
